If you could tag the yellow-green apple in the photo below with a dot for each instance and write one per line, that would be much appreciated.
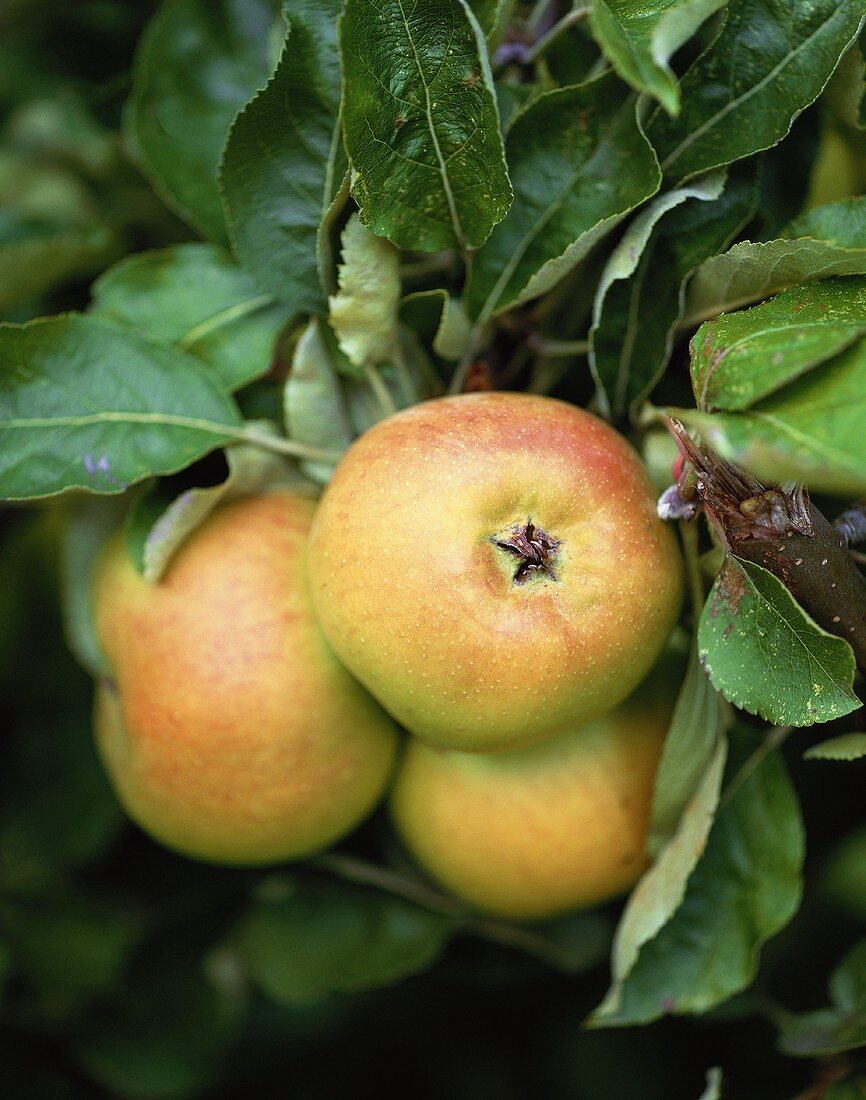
(492, 568)
(231, 732)
(534, 833)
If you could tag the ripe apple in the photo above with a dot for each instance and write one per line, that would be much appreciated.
(232, 733)
(491, 567)
(534, 833)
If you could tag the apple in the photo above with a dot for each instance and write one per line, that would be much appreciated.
(535, 833)
(231, 732)
(492, 568)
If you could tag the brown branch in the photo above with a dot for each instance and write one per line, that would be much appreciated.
(781, 530)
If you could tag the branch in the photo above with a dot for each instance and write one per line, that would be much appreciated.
(781, 530)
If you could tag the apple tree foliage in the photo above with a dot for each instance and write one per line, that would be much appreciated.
(257, 229)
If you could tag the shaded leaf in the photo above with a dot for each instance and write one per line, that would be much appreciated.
(744, 889)
(771, 59)
(697, 725)
(810, 431)
(767, 656)
(637, 316)
(846, 92)
(90, 523)
(364, 311)
(87, 405)
(579, 163)
(846, 746)
(843, 879)
(639, 40)
(661, 891)
(421, 123)
(829, 240)
(197, 65)
(50, 231)
(741, 357)
(613, 375)
(283, 166)
(840, 1027)
(195, 297)
(330, 937)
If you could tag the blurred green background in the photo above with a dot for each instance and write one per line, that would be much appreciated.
(128, 972)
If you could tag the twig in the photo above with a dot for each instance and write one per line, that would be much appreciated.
(377, 385)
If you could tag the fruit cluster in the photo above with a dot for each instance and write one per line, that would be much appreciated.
(489, 572)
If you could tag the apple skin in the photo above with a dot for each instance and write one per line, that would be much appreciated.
(421, 605)
(232, 733)
(532, 834)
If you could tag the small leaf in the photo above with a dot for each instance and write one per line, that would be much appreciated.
(637, 315)
(810, 431)
(195, 297)
(698, 722)
(639, 40)
(283, 166)
(197, 65)
(771, 59)
(330, 937)
(364, 311)
(828, 240)
(614, 381)
(661, 891)
(767, 656)
(838, 1028)
(847, 746)
(741, 357)
(87, 405)
(713, 1091)
(745, 888)
(154, 540)
(579, 163)
(421, 124)
(314, 404)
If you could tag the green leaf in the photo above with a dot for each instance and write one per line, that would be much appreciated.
(331, 937)
(846, 746)
(283, 166)
(741, 357)
(637, 315)
(843, 879)
(771, 59)
(767, 656)
(829, 240)
(487, 12)
(50, 231)
(157, 530)
(195, 297)
(697, 725)
(421, 123)
(86, 405)
(744, 889)
(364, 313)
(68, 944)
(810, 431)
(838, 1028)
(639, 40)
(616, 384)
(579, 163)
(197, 65)
(661, 891)
(853, 1088)
(314, 404)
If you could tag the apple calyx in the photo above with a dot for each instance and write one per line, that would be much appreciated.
(535, 549)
